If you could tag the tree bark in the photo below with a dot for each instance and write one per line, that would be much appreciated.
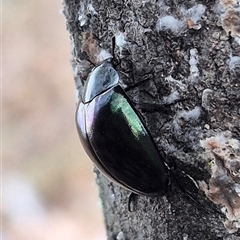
(185, 57)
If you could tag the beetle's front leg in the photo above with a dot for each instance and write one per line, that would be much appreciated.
(152, 107)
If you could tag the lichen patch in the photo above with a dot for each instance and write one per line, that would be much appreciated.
(230, 18)
(224, 185)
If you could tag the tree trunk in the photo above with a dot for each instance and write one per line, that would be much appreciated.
(185, 57)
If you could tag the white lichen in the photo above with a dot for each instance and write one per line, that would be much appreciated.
(175, 82)
(193, 61)
(178, 24)
(91, 9)
(171, 98)
(103, 55)
(206, 97)
(169, 22)
(120, 41)
(195, 13)
(83, 12)
(82, 16)
(192, 114)
(224, 185)
(237, 39)
(120, 236)
(186, 116)
(234, 62)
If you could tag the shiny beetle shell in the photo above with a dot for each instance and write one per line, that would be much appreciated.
(115, 138)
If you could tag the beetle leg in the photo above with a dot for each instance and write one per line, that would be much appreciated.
(163, 107)
(134, 85)
(183, 190)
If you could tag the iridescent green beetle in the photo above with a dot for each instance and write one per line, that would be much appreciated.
(115, 138)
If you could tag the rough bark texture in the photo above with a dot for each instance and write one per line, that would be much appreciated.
(172, 50)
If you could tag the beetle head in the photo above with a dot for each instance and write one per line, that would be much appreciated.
(99, 80)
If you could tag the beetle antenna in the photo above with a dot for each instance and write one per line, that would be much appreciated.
(113, 46)
(115, 61)
(91, 62)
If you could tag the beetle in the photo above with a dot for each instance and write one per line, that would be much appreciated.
(115, 137)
